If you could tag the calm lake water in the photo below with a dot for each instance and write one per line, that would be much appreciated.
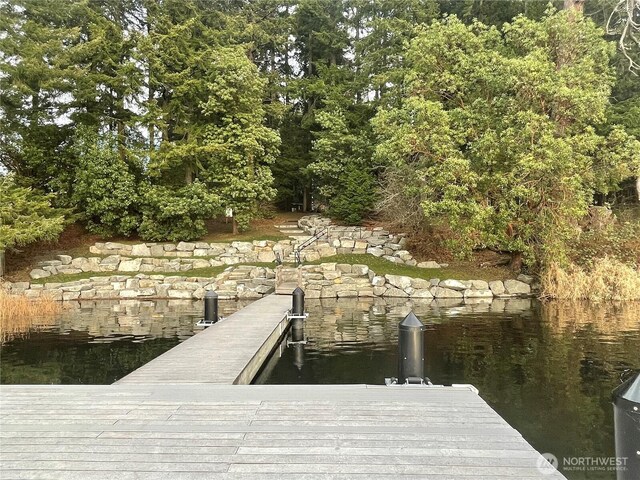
(100, 342)
(546, 369)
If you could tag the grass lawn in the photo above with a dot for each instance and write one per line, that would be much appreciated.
(380, 266)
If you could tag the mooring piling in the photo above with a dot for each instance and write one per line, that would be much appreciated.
(411, 350)
(297, 304)
(211, 307)
(626, 415)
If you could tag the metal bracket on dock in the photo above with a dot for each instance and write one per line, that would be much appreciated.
(409, 381)
(205, 323)
(294, 317)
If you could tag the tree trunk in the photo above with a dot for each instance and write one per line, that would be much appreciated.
(516, 261)
(1, 263)
(235, 226)
(638, 187)
(305, 202)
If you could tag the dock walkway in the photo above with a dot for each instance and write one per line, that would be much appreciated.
(230, 351)
(237, 432)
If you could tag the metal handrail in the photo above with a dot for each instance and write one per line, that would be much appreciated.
(313, 239)
(309, 242)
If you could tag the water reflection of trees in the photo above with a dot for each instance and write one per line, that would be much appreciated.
(553, 377)
(98, 342)
(548, 369)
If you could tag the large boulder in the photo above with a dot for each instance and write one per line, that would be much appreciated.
(37, 273)
(186, 247)
(242, 247)
(395, 292)
(140, 250)
(110, 260)
(360, 269)
(157, 250)
(403, 254)
(130, 265)
(422, 293)
(479, 285)
(497, 287)
(453, 285)
(440, 292)
(399, 281)
(375, 251)
(420, 284)
(65, 259)
(91, 264)
(516, 287)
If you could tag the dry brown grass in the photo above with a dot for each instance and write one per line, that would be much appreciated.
(19, 314)
(607, 279)
(607, 318)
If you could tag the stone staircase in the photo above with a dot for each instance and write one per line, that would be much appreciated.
(295, 233)
(287, 279)
(292, 230)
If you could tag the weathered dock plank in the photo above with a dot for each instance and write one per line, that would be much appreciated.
(230, 351)
(213, 431)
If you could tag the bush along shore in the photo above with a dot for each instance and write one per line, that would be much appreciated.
(325, 280)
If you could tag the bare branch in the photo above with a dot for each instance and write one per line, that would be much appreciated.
(625, 21)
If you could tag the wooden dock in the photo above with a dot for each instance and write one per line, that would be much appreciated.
(230, 351)
(188, 431)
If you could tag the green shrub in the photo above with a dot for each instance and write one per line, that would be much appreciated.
(105, 190)
(355, 198)
(176, 215)
(26, 215)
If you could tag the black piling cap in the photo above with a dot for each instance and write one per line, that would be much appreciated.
(298, 291)
(210, 294)
(411, 322)
(628, 391)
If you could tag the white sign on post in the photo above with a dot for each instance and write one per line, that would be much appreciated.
(229, 212)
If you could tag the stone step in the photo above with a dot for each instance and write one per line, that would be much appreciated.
(286, 288)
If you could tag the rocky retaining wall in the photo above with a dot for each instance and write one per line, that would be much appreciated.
(327, 280)
(331, 280)
(185, 256)
(180, 260)
(376, 241)
(236, 252)
(239, 282)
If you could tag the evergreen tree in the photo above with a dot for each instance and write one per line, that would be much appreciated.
(498, 131)
(26, 216)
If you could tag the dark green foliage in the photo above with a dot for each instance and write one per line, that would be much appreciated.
(497, 130)
(355, 197)
(26, 215)
(176, 215)
(187, 91)
(104, 190)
